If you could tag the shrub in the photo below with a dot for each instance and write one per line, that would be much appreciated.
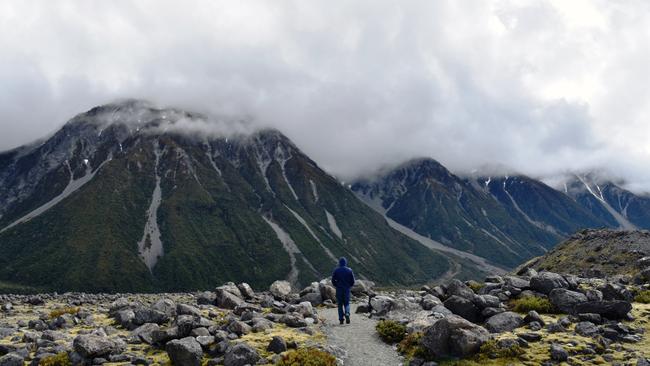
(643, 297)
(60, 359)
(307, 357)
(491, 349)
(475, 286)
(391, 331)
(411, 347)
(66, 310)
(528, 303)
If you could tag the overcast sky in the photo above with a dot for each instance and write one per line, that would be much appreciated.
(538, 86)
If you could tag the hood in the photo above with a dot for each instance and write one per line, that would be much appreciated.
(343, 262)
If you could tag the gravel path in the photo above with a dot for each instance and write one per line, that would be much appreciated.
(359, 339)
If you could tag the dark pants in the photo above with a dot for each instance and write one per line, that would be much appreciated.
(343, 301)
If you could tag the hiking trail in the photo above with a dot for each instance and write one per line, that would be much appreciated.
(359, 339)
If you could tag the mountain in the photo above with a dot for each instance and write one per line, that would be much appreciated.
(610, 202)
(120, 200)
(598, 253)
(505, 219)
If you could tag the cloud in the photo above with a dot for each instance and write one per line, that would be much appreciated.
(540, 86)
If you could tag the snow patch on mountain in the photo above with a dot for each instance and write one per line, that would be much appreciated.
(314, 191)
(620, 219)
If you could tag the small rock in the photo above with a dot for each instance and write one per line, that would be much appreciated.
(277, 345)
(558, 353)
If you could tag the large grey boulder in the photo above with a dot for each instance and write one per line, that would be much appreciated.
(463, 307)
(586, 329)
(186, 351)
(566, 300)
(165, 306)
(92, 346)
(545, 282)
(145, 332)
(613, 291)
(504, 322)
(280, 289)
(240, 355)
(12, 359)
(226, 299)
(487, 301)
(454, 336)
(381, 305)
(149, 315)
(246, 290)
(184, 309)
(231, 288)
(608, 309)
(206, 298)
(457, 288)
(327, 291)
(362, 287)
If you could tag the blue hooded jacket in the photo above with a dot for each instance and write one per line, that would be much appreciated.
(343, 277)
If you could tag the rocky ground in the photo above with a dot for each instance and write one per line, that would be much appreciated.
(580, 321)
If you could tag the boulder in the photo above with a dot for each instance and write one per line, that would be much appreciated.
(280, 289)
(125, 318)
(92, 346)
(206, 298)
(612, 291)
(327, 291)
(565, 300)
(534, 316)
(238, 327)
(487, 301)
(463, 307)
(516, 282)
(586, 329)
(545, 282)
(240, 355)
(277, 345)
(231, 288)
(149, 315)
(184, 309)
(558, 353)
(381, 305)
(12, 359)
(454, 336)
(165, 306)
(226, 299)
(362, 287)
(313, 298)
(246, 290)
(504, 322)
(145, 332)
(458, 288)
(429, 301)
(186, 351)
(608, 309)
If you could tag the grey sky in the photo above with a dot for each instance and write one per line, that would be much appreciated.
(538, 86)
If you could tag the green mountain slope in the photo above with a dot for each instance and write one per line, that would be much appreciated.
(254, 208)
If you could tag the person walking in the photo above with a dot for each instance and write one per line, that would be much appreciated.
(343, 280)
